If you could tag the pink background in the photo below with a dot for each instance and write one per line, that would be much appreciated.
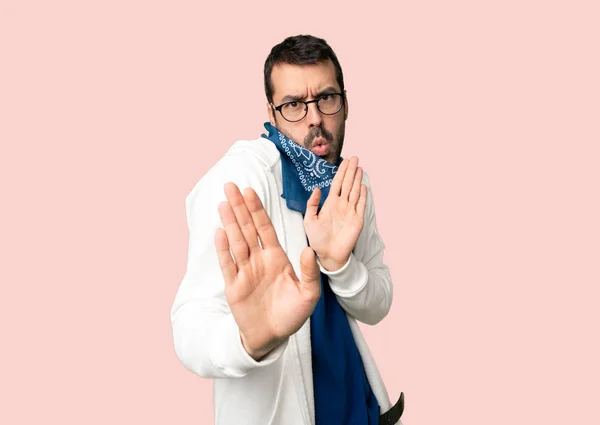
(478, 122)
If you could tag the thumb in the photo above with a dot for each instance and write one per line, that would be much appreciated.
(311, 273)
(312, 205)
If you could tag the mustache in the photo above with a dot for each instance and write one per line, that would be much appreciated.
(317, 132)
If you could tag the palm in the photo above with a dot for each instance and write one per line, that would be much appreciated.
(267, 291)
(334, 230)
(266, 298)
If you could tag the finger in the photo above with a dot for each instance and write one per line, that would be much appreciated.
(237, 243)
(356, 187)
(349, 177)
(262, 222)
(310, 275)
(242, 215)
(336, 184)
(362, 202)
(312, 205)
(228, 267)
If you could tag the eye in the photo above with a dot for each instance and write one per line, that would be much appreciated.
(290, 106)
(325, 97)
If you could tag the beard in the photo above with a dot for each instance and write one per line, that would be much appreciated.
(335, 141)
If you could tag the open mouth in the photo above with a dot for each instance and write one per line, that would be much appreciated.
(320, 146)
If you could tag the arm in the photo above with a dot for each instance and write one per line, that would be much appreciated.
(363, 285)
(206, 336)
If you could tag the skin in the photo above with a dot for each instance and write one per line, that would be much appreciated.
(267, 299)
(307, 82)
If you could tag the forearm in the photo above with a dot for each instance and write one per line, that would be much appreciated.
(363, 290)
(206, 337)
(207, 341)
(363, 284)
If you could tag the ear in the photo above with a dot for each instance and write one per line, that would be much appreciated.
(346, 107)
(271, 114)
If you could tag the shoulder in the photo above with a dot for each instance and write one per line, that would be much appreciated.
(244, 157)
(246, 163)
(370, 202)
(260, 149)
(365, 179)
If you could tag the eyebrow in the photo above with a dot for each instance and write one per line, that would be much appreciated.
(293, 98)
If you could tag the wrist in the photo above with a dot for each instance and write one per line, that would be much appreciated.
(257, 353)
(331, 264)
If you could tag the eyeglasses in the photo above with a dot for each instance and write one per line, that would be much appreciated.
(327, 104)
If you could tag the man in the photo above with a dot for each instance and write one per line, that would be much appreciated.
(269, 303)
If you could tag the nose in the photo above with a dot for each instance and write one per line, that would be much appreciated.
(313, 115)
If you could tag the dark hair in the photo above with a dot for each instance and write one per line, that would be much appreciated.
(300, 50)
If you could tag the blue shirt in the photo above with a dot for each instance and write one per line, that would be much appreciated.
(342, 392)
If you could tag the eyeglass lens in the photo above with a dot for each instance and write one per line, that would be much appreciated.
(328, 104)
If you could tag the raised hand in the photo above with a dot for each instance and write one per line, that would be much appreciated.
(267, 300)
(334, 231)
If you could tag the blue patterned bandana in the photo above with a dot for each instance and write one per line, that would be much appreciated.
(303, 171)
(342, 391)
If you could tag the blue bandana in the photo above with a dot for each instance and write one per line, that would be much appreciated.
(342, 392)
(311, 171)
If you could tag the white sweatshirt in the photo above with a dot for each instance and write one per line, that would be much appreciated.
(278, 389)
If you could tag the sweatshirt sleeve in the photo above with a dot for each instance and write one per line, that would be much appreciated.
(205, 335)
(363, 285)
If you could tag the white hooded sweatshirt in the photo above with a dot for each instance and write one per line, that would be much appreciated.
(278, 389)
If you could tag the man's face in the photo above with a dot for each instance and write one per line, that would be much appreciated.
(322, 134)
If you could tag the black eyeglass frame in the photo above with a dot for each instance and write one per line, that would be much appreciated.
(278, 108)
